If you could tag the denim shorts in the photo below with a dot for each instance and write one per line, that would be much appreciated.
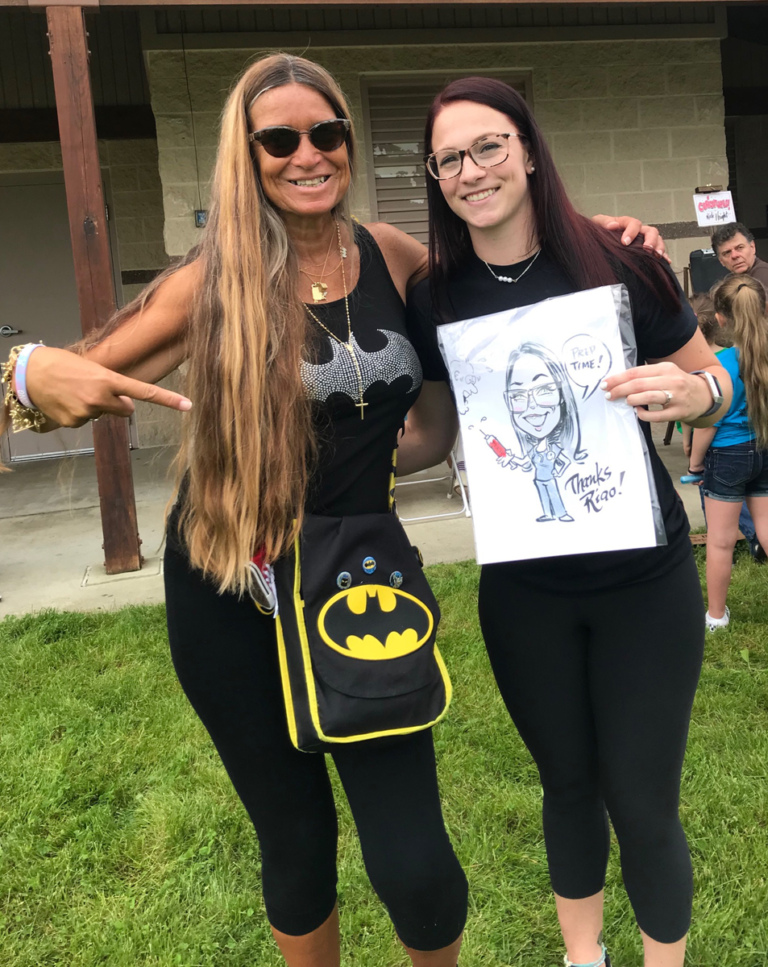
(735, 472)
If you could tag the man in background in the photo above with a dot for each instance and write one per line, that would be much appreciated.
(734, 245)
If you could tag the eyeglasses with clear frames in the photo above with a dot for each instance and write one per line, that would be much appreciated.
(486, 152)
(545, 394)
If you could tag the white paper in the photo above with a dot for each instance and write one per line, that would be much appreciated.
(714, 208)
(553, 467)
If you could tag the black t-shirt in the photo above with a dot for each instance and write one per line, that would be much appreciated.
(473, 292)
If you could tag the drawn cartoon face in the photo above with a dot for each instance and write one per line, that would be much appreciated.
(533, 397)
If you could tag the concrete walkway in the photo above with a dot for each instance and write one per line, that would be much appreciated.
(50, 530)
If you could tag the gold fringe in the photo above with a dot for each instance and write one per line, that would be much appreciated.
(22, 417)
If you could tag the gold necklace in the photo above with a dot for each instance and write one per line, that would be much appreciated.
(320, 288)
(361, 404)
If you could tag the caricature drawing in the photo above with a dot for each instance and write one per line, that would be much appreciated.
(545, 419)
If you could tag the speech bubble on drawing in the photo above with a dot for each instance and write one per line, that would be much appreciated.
(587, 360)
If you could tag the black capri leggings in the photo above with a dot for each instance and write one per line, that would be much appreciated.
(600, 686)
(225, 655)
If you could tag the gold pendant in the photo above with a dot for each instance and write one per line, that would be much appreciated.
(319, 291)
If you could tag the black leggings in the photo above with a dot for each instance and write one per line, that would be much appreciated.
(600, 686)
(225, 656)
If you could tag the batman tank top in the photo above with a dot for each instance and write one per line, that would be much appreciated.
(353, 468)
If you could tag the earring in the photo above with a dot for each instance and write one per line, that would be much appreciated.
(533, 168)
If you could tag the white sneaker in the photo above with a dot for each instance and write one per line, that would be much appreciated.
(713, 624)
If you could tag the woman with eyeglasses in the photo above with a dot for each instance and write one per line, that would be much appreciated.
(301, 367)
(597, 656)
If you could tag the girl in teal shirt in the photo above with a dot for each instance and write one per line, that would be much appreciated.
(733, 453)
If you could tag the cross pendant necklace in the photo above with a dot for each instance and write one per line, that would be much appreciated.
(347, 344)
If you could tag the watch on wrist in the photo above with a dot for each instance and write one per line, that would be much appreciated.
(714, 388)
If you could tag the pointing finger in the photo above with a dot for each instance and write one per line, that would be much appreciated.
(148, 393)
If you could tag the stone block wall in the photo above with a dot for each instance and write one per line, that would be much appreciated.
(134, 188)
(137, 197)
(634, 125)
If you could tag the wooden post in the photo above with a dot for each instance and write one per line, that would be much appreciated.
(93, 270)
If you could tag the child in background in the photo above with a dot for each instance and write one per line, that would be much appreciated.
(733, 454)
(717, 340)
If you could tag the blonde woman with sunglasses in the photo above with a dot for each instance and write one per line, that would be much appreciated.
(301, 371)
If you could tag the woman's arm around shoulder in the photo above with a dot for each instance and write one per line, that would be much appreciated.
(406, 258)
(632, 227)
(430, 430)
(71, 388)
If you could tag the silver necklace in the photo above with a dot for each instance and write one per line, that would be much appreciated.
(508, 278)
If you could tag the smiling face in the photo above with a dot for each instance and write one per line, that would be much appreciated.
(487, 199)
(309, 182)
(533, 397)
(737, 254)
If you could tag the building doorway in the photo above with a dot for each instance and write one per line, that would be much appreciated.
(38, 296)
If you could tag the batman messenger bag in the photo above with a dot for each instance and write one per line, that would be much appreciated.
(356, 624)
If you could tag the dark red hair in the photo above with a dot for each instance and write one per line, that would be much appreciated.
(589, 255)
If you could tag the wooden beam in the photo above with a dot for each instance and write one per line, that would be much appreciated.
(93, 270)
(344, 3)
(113, 123)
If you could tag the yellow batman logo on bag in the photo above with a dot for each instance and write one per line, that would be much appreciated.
(374, 622)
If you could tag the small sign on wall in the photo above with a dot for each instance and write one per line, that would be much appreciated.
(714, 208)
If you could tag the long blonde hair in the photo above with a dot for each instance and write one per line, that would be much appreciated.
(248, 444)
(741, 300)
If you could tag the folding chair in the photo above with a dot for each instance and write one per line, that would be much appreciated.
(456, 487)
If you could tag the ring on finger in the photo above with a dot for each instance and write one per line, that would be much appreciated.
(667, 400)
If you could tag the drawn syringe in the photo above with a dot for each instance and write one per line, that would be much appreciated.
(495, 444)
(505, 458)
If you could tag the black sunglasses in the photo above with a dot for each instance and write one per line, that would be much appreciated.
(281, 141)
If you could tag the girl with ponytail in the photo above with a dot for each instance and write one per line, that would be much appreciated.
(733, 454)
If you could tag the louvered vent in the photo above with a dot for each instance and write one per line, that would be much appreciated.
(397, 111)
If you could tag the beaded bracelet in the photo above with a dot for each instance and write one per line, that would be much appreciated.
(23, 417)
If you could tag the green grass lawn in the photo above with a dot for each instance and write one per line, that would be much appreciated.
(123, 844)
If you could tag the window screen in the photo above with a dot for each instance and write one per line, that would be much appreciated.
(397, 110)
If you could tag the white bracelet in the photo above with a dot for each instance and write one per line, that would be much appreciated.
(20, 374)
